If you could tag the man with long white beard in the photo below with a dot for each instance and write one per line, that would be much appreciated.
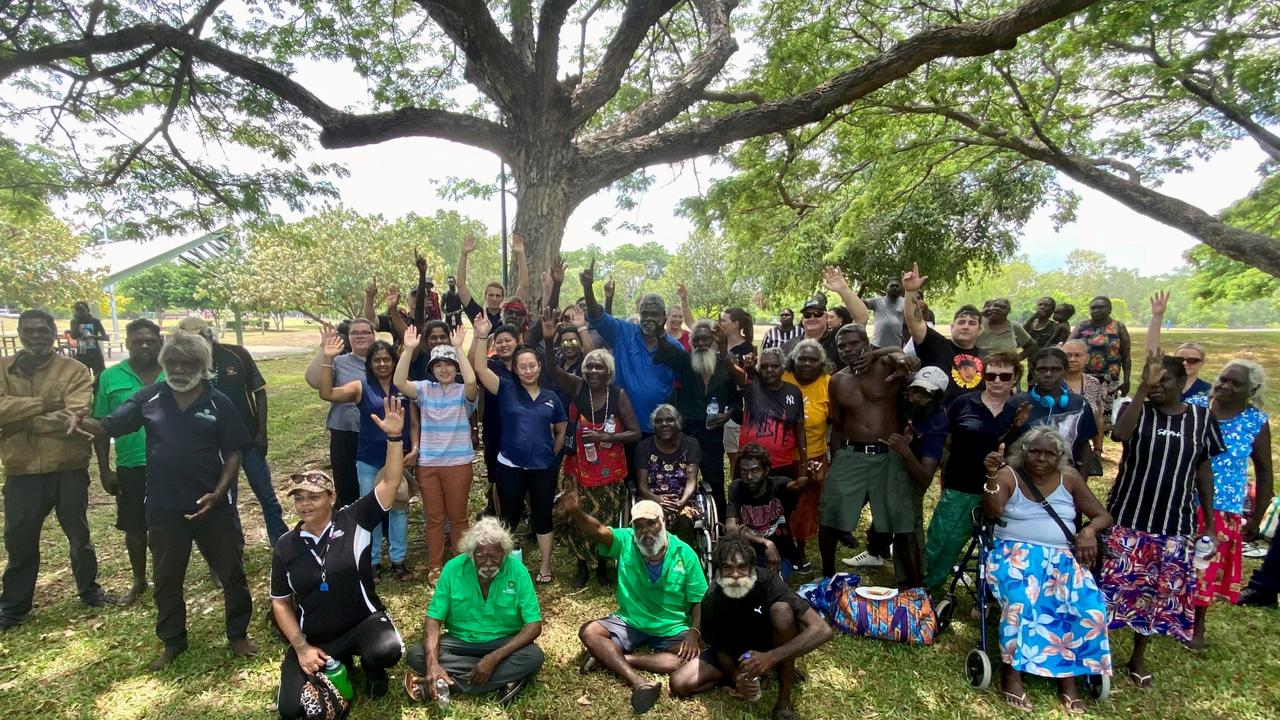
(660, 589)
(754, 623)
(195, 439)
(704, 395)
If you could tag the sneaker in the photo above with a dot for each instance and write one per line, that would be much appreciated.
(864, 559)
(375, 682)
(7, 622)
(1256, 598)
(166, 656)
(804, 568)
(1253, 551)
(400, 571)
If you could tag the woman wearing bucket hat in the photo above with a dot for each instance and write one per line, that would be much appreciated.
(322, 568)
(445, 452)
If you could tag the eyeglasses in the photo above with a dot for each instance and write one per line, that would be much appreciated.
(1192, 361)
(813, 314)
(1002, 377)
(359, 333)
(570, 343)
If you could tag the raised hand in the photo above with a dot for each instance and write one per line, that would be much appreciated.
(995, 460)
(481, 325)
(457, 337)
(469, 244)
(912, 280)
(1152, 370)
(683, 293)
(1159, 303)
(371, 290)
(393, 296)
(419, 261)
(517, 243)
(588, 275)
(411, 338)
(833, 279)
(609, 287)
(557, 269)
(332, 345)
(548, 320)
(392, 420)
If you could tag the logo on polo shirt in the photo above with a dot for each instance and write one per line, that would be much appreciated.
(206, 414)
(511, 588)
(231, 371)
(549, 404)
(678, 567)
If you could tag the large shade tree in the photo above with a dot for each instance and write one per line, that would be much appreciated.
(570, 114)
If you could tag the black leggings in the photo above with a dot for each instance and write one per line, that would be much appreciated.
(375, 640)
(513, 484)
(342, 455)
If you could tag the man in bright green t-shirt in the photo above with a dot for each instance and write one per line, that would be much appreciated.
(660, 589)
(481, 623)
(128, 482)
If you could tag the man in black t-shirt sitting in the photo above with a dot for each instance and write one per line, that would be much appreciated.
(758, 508)
(752, 623)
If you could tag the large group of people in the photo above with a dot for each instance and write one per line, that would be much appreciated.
(648, 435)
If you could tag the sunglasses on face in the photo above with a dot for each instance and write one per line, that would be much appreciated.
(1192, 361)
(1002, 377)
(814, 314)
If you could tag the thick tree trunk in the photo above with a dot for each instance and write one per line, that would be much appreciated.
(545, 198)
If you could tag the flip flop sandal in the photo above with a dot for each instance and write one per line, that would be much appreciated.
(544, 579)
(645, 697)
(1142, 681)
(1072, 706)
(1017, 702)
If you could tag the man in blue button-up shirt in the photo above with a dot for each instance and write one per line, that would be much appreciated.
(646, 382)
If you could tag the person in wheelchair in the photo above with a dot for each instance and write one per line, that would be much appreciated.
(753, 623)
(759, 504)
(1053, 621)
(660, 589)
(667, 472)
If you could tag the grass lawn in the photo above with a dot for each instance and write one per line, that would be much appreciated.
(67, 661)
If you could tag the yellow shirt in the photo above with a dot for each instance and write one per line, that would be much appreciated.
(817, 408)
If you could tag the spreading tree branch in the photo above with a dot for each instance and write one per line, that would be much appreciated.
(595, 89)
(493, 64)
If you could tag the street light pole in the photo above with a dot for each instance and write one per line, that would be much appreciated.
(111, 289)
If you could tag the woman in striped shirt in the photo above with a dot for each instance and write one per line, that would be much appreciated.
(445, 452)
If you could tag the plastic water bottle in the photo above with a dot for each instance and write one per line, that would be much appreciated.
(589, 452)
(1204, 550)
(442, 694)
(337, 674)
(753, 683)
(713, 409)
(610, 426)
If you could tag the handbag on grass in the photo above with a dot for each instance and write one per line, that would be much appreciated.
(1271, 520)
(904, 616)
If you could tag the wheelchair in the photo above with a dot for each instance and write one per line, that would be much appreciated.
(706, 529)
(978, 669)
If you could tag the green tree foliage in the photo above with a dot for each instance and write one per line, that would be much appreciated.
(575, 97)
(172, 285)
(1115, 98)
(704, 264)
(40, 261)
(1218, 277)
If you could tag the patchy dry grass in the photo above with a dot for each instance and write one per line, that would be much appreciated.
(70, 662)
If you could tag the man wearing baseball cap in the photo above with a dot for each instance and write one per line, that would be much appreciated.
(660, 589)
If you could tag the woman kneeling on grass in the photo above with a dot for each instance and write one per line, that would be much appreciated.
(323, 566)
(1054, 622)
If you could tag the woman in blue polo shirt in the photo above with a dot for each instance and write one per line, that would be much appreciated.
(533, 428)
(368, 393)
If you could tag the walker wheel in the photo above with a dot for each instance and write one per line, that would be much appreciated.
(977, 669)
(1098, 687)
(944, 611)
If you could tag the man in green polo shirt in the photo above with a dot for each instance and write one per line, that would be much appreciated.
(128, 483)
(660, 589)
(486, 603)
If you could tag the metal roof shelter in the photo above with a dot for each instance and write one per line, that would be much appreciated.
(125, 258)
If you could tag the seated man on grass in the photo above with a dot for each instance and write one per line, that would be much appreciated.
(759, 504)
(749, 611)
(660, 589)
(485, 601)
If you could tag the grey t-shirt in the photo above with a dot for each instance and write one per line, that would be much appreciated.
(345, 416)
(886, 328)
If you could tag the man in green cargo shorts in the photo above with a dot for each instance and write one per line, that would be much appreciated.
(865, 396)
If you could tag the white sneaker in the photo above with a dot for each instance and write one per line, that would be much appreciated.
(1253, 551)
(864, 559)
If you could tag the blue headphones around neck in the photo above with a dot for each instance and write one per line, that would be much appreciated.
(1050, 401)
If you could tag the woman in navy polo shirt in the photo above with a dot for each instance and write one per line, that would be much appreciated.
(368, 394)
(322, 565)
(533, 428)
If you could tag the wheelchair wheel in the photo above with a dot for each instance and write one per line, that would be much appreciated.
(944, 611)
(1098, 687)
(977, 669)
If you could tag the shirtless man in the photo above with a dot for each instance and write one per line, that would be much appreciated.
(864, 411)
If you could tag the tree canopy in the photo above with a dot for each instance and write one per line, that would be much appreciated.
(144, 97)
